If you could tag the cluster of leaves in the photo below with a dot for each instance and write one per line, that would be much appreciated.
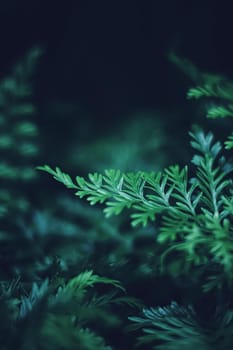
(59, 314)
(195, 213)
(109, 245)
(176, 327)
(215, 87)
(38, 308)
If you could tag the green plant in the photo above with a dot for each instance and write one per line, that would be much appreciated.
(59, 314)
(176, 327)
(193, 213)
(49, 300)
(215, 89)
(191, 208)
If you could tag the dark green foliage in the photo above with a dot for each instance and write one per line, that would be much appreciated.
(220, 90)
(176, 327)
(214, 86)
(59, 314)
(215, 89)
(43, 306)
(229, 142)
(18, 136)
(19, 149)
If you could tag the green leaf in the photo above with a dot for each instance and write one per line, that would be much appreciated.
(229, 143)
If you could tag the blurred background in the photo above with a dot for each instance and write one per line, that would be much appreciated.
(105, 60)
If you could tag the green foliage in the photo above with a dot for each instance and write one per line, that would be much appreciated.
(176, 327)
(229, 142)
(194, 211)
(214, 87)
(220, 111)
(62, 314)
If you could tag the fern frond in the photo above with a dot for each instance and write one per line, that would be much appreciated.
(59, 176)
(213, 86)
(76, 288)
(201, 91)
(120, 191)
(192, 212)
(88, 279)
(171, 328)
(61, 332)
(220, 111)
(229, 143)
(176, 327)
(37, 293)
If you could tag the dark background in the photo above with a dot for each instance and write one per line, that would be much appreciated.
(105, 63)
(110, 56)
